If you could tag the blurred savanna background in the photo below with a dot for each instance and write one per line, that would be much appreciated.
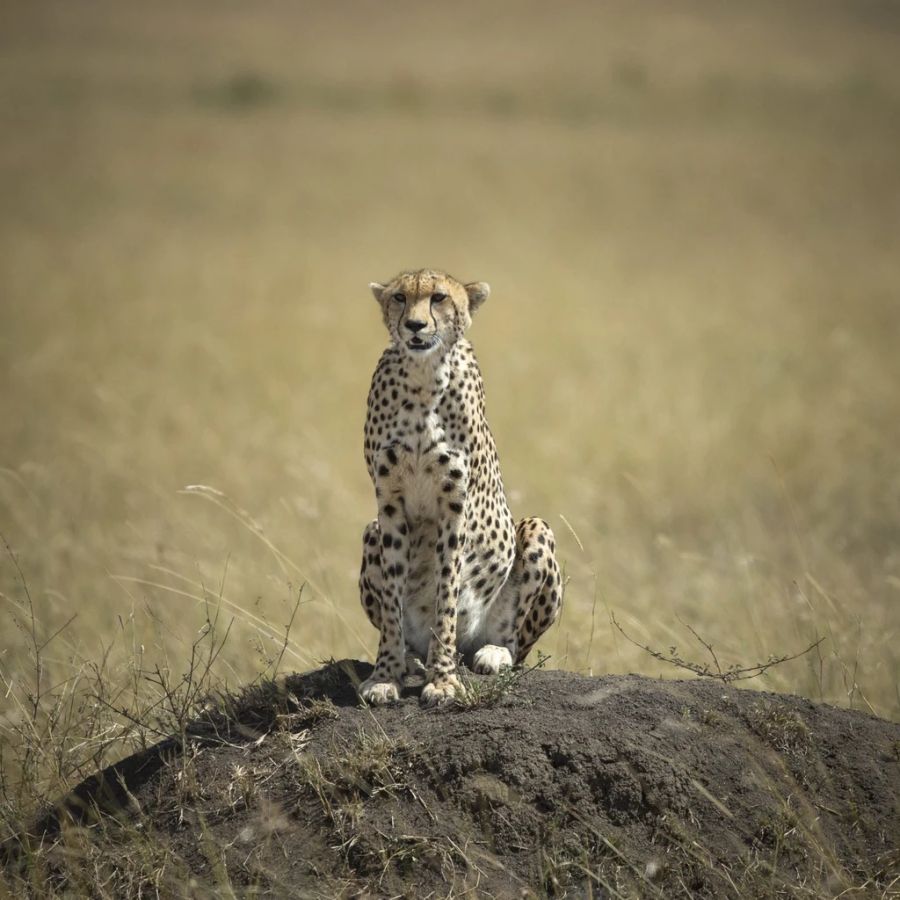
(689, 215)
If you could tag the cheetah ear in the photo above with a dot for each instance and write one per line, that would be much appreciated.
(478, 292)
(376, 289)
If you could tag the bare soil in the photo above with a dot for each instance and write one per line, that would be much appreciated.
(555, 785)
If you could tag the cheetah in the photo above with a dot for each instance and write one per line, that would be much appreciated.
(445, 570)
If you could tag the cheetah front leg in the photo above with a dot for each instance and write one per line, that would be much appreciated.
(529, 602)
(392, 532)
(370, 574)
(441, 680)
(370, 596)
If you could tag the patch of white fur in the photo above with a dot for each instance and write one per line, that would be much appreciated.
(490, 659)
(471, 617)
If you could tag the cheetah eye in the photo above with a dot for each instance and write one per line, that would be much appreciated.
(437, 298)
(400, 298)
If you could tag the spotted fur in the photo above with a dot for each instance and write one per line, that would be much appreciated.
(445, 570)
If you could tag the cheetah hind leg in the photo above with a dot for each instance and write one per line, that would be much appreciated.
(529, 602)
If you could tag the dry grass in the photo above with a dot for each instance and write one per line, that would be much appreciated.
(687, 212)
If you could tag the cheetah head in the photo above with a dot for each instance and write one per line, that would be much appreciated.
(427, 311)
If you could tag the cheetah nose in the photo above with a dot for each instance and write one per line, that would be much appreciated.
(414, 326)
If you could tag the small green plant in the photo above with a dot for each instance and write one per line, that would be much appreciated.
(490, 691)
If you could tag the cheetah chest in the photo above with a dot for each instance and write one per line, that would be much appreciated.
(420, 486)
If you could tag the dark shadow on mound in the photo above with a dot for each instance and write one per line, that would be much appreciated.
(235, 720)
(336, 682)
(105, 794)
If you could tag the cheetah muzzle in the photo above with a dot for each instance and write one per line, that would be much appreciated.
(445, 569)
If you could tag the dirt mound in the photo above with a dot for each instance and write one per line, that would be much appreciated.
(555, 784)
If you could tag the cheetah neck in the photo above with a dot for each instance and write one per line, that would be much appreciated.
(428, 377)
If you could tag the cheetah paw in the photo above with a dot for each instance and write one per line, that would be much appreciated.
(378, 693)
(490, 659)
(436, 693)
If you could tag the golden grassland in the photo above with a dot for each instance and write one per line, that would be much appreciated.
(688, 213)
